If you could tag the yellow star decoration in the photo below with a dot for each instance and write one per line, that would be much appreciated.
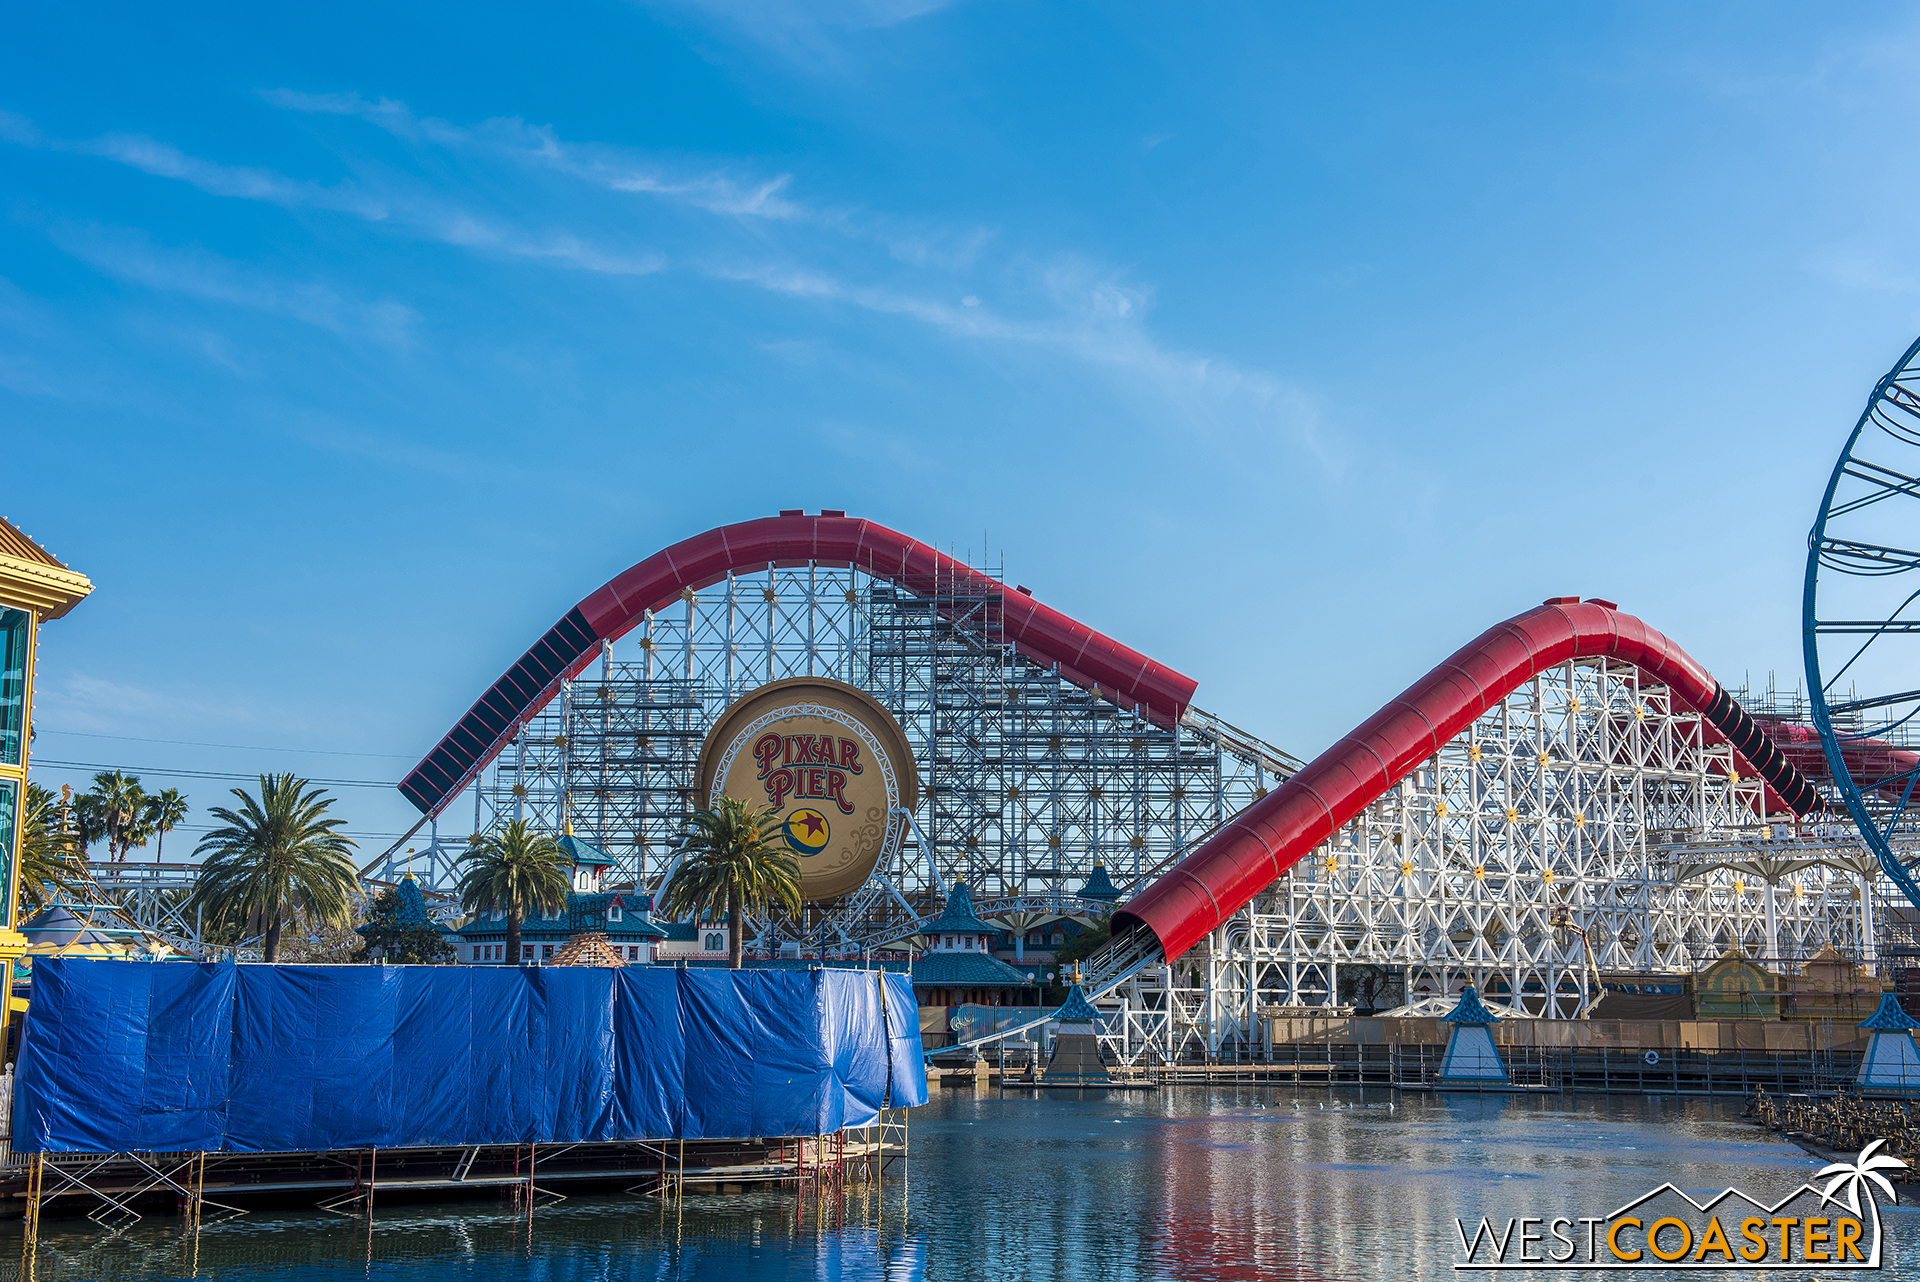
(1440, 809)
(1512, 814)
(1479, 872)
(1473, 752)
(1547, 876)
(1406, 869)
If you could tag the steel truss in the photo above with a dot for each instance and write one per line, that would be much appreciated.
(1585, 790)
(1025, 777)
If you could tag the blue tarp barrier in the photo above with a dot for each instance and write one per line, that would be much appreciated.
(124, 1057)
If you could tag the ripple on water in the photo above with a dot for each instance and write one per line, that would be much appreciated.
(1190, 1183)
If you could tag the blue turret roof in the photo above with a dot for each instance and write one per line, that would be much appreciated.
(1076, 1009)
(1891, 1017)
(1099, 885)
(957, 917)
(584, 912)
(584, 852)
(968, 970)
(1470, 1011)
(410, 910)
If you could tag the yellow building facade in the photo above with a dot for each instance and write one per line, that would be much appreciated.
(34, 587)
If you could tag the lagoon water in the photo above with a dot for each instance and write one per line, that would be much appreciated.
(1186, 1183)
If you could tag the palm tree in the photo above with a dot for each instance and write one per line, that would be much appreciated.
(165, 809)
(278, 860)
(733, 860)
(516, 870)
(50, 854)
(115, 809)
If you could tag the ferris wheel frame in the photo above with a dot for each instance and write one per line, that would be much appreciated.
(1821, 550)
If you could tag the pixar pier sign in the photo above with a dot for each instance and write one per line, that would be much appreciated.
(1809, 1229)
(811, 767)
(833, 765)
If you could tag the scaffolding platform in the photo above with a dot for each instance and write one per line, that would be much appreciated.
(126, 1186)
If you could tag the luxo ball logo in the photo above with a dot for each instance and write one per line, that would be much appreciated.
(807, 831)
(1838, 1228)
(832, 763)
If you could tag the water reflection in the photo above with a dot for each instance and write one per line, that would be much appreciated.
(1194, 1183)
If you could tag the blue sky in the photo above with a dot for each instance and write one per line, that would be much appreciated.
(347, 348)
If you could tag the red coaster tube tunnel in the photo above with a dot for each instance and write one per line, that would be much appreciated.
(1266, 839)
(1085, 657)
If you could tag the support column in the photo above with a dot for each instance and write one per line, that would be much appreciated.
(1869, 946)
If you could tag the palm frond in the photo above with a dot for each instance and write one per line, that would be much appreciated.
(515, 870)
(277, 859)
(732, 854)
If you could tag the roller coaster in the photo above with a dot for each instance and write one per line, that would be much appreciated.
(1570, 793)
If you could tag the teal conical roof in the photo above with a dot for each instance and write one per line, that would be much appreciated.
(584, 852)
(957, 917)
(1470, 1011)
(1891, 1017)
(1099, 885)
(409, 910)
(1076, 1009)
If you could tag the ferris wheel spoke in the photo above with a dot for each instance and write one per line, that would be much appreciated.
(1854, 557)
(1880, 701)
(1893, 821)
(1855, 627)
(1880, 785)
(1887, 482)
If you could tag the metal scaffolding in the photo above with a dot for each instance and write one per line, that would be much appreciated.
(1583, 809)
(1584, 796)
(1026, 778)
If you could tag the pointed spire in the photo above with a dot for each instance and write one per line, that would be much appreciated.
(1470, 1010)
(1099, 885)
(958, 916)
(1076, 1009)
(1891, 1017)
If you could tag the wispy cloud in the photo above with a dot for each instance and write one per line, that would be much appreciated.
(811, 35)
(1099, 321)
(240, 182)
(852, 15)
(131, 256)
(83, 701)
(715, 191)
(963, 282)
(728, 190)
(420, 214)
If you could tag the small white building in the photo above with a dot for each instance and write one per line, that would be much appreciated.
(690, 941)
